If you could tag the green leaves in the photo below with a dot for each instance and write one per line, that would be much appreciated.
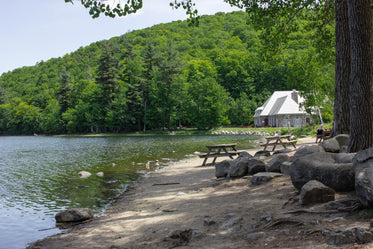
(163, 77)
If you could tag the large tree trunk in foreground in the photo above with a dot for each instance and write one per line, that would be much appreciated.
(361, 96)
(342, 70)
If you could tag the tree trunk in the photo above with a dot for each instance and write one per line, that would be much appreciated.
(361, 96)
(342, 70)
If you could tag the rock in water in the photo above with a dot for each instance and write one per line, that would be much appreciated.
(74, 215)
(84, 174)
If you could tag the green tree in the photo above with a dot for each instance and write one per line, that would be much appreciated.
(241, 110)
(209, 103)
(168, 68)
(108, 79)
(65, 90)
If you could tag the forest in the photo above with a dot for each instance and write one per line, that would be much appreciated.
(168, 76)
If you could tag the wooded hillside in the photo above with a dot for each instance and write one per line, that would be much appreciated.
(166, 76)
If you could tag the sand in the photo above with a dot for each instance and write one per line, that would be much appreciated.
(186, 206)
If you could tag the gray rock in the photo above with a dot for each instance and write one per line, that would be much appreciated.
(208, 222)
(197, 233)
(263, 177)
(275, 163)
(315, 192)
(321, 166)
(351, 235)
(230, 222)
(363, 166)
(342, 139)
(181, 237)
(344, 149)
(74, 215)
(255, 236)
(255, 166)
(331, 145)
(285, 167)
(262, 153)
(305, 150)
(222, 168)
(286, 150)
(238, 167)
(344, 157)
(343, 204)
(245, 154)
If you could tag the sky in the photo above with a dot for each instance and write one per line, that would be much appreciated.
(38, 30)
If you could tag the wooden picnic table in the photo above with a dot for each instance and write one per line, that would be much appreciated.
(278, 140)
(219, 150)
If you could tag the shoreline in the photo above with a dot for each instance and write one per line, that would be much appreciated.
(183, 197)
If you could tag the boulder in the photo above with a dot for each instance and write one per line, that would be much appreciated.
(263, 177)
(331, 145)
(285, 167)
(286, 150)
(344, 149)
(262, 153)
(222, 168)
(344, 157)
(315, 192)
(322, 166)
(351, 235)
(255, 166)
(363, 166)
(74, 215)
(238, 167)
(245, 154)
(84, 174)
(342, 139)
(275, 163)
(305, 150)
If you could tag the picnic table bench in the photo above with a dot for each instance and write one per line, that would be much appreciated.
(278, 140)
(220, 150)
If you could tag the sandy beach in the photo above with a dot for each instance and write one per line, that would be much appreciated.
(185, 206)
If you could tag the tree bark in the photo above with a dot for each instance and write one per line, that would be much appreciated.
(361, 96)
(342, 70)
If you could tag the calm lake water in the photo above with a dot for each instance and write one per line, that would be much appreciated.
(39, 175)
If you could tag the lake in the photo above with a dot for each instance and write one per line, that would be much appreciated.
(39, 175)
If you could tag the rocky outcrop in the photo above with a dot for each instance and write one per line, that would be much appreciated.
(275, 164)
(261, 153)
(322, 166)
(222, 168)
(350, 235)
(74, 215)
(335, 144)
(315, 192)
(238, 167)
(263, 177)
(255, 166)
(363, 166)
(305, 150)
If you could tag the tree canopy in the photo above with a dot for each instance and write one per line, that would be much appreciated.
(167, 76)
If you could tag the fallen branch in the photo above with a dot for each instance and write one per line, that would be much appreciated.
(280, 221)
(169, 183)
(311, 211)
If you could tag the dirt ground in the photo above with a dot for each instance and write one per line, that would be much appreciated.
(185, 206)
